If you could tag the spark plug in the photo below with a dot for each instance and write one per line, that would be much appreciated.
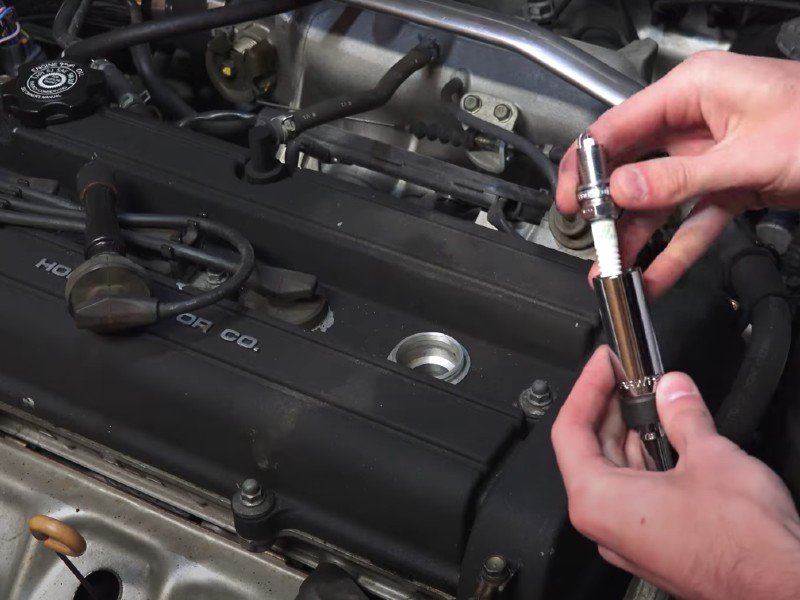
(597, 206)
(623, 308)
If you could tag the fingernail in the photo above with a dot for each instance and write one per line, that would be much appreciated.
(631, 184)
(674, 386)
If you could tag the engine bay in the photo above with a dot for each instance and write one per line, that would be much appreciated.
(289, 309)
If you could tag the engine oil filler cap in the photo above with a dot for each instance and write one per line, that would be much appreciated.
(53, 91)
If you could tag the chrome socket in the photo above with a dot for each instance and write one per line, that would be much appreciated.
(637, 364)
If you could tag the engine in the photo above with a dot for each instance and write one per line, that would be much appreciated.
(288, 309)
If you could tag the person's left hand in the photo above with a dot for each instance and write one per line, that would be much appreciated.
(720, 525)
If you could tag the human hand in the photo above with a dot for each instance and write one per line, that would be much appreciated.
(729, 123)
(720, 525)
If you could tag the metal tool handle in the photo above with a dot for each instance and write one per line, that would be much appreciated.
(626, 319)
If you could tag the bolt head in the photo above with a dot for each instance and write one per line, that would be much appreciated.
(216, 277)
(472, 103)
(502, 112)
(536, 399)
(495, 565)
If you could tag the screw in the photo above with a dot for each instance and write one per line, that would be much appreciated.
(472, 103)
(483, 142)
(536, 399)
(251, 493)
(502, 112)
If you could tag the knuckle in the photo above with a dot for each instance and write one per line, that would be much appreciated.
(701, 62)
(677, 178)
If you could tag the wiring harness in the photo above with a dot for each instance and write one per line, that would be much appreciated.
(24, 207)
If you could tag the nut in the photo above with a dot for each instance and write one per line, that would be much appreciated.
(251, 493)
(536, 399)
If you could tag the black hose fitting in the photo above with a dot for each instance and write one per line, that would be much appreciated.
(264, 140)
(98, 196)
(360, 102)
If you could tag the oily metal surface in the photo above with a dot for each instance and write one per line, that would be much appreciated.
(155, 554)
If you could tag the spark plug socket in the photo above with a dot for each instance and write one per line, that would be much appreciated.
(627, 323)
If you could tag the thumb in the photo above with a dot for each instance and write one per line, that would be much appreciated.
(682, 411)
(670, 181)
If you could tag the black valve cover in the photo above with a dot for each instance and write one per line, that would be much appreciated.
(420, 477)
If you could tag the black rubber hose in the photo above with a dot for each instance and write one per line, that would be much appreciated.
(163, 96)
(524, 145)
(76, 23)
(756, 282)
(219, 122)
(66, 29)
(143, 33)
(361, 102)
(62, 24)
(167, 248)
(497, 216)
(12, 189)
(761, 370)
(121, 88)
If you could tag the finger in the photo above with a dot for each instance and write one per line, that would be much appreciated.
(670, 181)
(671, 104)
(634, 230)
(612, 435)
(634, 452)
(566, 200)
(574, 434)
(678, 143)
(684, 415)
(697, 232)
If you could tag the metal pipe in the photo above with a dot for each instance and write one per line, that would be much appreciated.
(527, 39)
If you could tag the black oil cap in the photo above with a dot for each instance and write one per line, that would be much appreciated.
(54, 91)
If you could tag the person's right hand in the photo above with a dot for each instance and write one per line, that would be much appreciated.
(730, 125)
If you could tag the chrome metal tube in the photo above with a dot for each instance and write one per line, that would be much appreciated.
(528, 39)
(626, 319)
